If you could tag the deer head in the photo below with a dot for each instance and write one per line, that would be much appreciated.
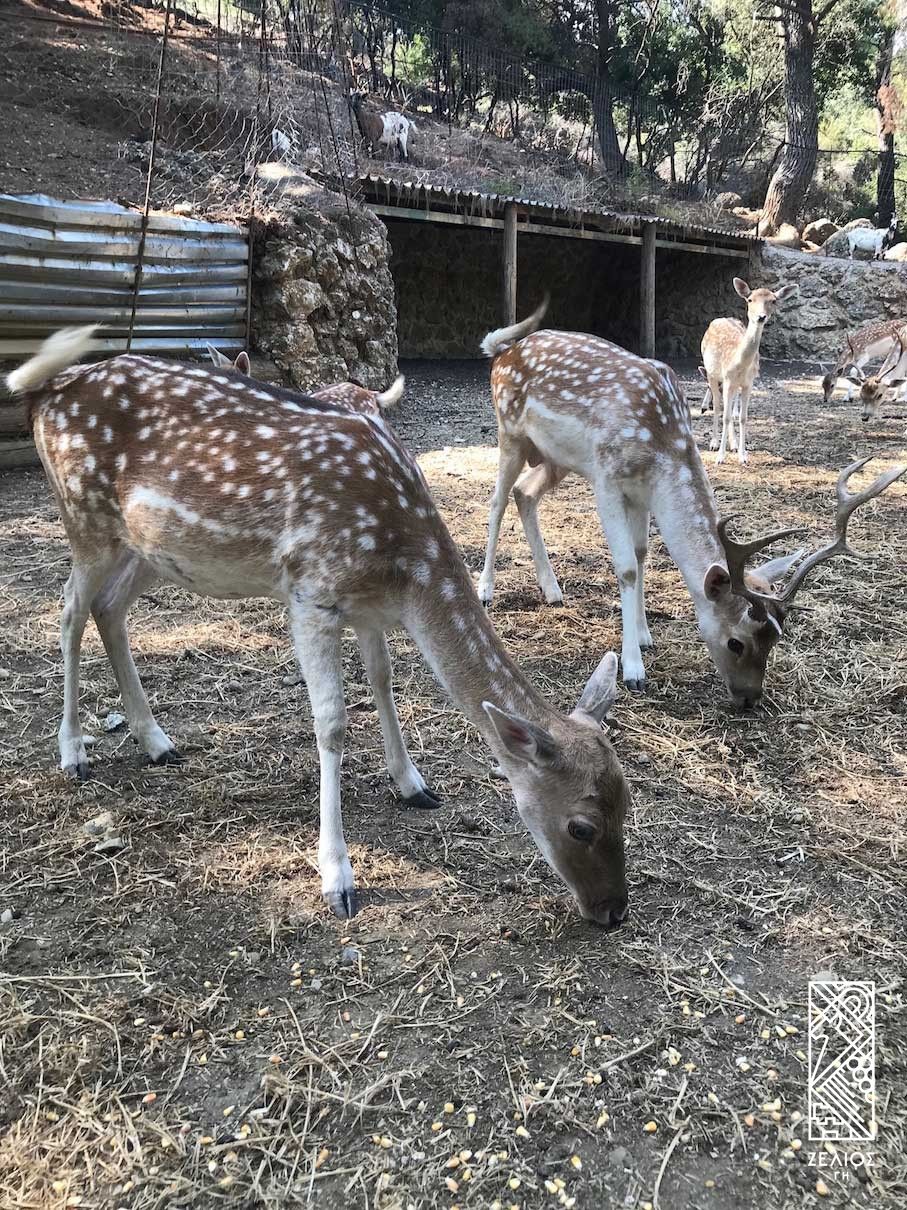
(873, 388)
(761, 304)
(241, 364)
(747, 636)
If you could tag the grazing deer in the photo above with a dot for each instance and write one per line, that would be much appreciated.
(175, 472)
(341, 394)
(871, 343)
(570, 402)
(730, 353)
(892, 373)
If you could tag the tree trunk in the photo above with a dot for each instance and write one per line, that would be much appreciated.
(791, 179)
(885, 126)
(602, 102)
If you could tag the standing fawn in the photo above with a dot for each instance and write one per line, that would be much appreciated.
(343, 394)
(570, 402)
(233, 489)
(730, 353)
(871, 343)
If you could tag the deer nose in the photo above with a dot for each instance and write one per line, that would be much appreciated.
(746, 699)
(611, 913)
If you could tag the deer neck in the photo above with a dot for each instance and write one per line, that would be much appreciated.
(748, 349)
(451, 628)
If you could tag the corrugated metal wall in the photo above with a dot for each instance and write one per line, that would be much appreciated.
(66, 263)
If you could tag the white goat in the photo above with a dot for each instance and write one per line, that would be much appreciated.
(391, 129)
(872, 239)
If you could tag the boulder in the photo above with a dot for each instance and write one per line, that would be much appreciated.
(727, 201)
(836, 245)
(787, 236)
(819, 230)
(751, 217)
(897, 252)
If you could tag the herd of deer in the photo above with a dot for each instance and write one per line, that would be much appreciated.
(234, 488)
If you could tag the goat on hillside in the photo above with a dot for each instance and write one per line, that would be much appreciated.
(390, 129)
(872, 239)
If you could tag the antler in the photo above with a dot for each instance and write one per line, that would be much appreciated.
(894, 356)
(847, 506)
(737, 553)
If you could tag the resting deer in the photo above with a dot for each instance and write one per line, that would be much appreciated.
(730, 353)
(569, 402)
(892, 373)
(871, 343)
(166, 471)
(342, 394)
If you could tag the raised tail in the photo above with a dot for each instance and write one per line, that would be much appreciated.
(58, 352)
(497, 341)
(392, 396)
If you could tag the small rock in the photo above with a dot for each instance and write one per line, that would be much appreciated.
(315, 985)
(295, 678)
(234, 686)
(99, 825)
(5, 674)
(110, 844)
(619, 1157)
(114, 721)
(7, 916)
(349, 955)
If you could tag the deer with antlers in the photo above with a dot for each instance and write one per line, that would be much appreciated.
(231, 488)
(870, 343)
(568, 402)
(730, 354)
(343, 394)
(891, 373)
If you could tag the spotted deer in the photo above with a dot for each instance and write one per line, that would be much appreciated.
(567, 402)
(232, 488)
(873, 342)
(343, 394)
(730, 353)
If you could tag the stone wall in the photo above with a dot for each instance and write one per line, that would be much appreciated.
(835, 296)
(449, 287)
(323, 298)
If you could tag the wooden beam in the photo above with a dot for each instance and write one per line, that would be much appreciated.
(647, 292)
(509, 265)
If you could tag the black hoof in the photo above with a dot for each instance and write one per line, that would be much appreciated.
(343, 904)
(425, 800)
(80, 771)
(636, 686)
(171, 757)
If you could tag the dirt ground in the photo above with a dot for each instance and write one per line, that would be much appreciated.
(183, 1024)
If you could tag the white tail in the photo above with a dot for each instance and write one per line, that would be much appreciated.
(232, 488)
(569, 402)
(392, 396)
(497, 341)
(58, 353)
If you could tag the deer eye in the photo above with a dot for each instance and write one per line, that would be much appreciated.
(735, 645)
(581, 830)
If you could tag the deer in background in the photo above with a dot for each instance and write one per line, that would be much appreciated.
(171, 472)
(730, 354)
(892, 373)
(567, 402)
(872, 342)
(341, 394)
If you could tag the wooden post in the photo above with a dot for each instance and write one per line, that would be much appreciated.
(647, 292)
(509, 298)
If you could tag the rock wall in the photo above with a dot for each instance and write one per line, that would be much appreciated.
(449, 286)
(323, 298)
(835, 296)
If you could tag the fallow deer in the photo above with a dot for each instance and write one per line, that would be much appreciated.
(872, 342)
(343, 394)
(730, 353)
(568, 402)
(232, 488)
(892, 373)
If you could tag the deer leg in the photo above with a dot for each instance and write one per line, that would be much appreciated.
(316, 639)
(87, 574)
(527, 493)
(742, 455)
(510, 463)
(407, 778)
(727, 419)
(715, 392)
(129, 579)
(614, 512)
(639, 526)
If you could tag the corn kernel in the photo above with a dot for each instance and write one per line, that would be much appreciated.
(522, 1132)
(650, 1127)
(821, 1188)
(576, 1162)
(448, 1107)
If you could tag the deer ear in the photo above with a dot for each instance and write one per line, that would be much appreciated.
(776, 569)
(716, 582)
(526, 741)
(786, 291)
(741, 287)
(217, 357)
(600, 691)
(242, 363)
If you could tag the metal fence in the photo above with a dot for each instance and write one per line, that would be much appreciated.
(166, 284)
